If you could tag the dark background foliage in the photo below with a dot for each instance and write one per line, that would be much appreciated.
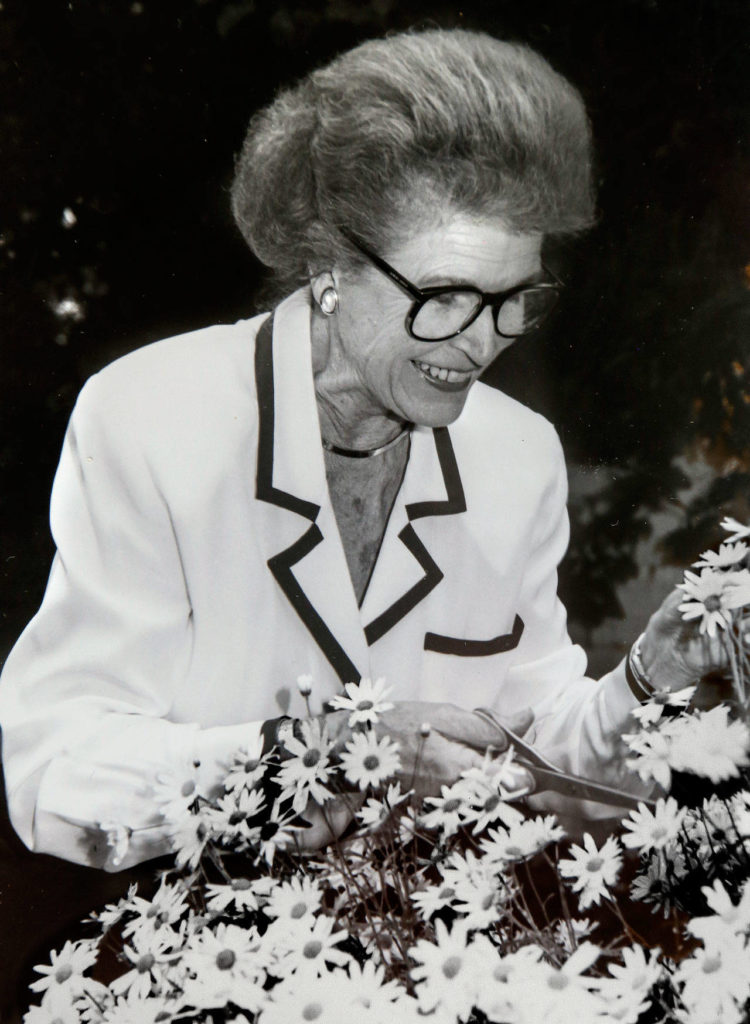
(119, 123)
(128, 115)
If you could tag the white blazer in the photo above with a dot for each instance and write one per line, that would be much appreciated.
(199, 571)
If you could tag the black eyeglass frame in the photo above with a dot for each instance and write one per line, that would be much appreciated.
(492, 299)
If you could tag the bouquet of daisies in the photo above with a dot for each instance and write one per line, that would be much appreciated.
(455, 908)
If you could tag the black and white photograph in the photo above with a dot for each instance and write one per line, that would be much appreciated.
(375, 491)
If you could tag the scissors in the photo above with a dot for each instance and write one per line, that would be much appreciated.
(548, 778)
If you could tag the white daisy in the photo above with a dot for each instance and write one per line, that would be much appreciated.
(510, 974)
(149, 953)
(728, 556)
(369, 761)
(708, 744)
(278, 832)
(738, 530)
(299, 897)
(309, 769)
(372, 991)
(165, 908)
(433, 898)
(305, 684)
(715, 979)
(365, 700)
(522, 840)
(445, 811)
(229, 819)
(487, 790)
(308, 949)
(650, 712)
(245, 771)
(132, 1009)
(53, 1011)
(713, 596)
(727, 916)
(176, 791)
(558, 995)
(375, 812)
(227, 964)
(592, 871)
(653, 830)
(627, 989)
(449, 971)
(580, 927)
(238, 894)
(65, 971)
(653, 756)
(310, 999)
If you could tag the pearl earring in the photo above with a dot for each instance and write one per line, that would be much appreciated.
(329, 301)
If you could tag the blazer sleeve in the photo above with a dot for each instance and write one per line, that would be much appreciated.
(86, 692)
(578, 722)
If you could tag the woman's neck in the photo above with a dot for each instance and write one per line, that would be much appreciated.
(349, 416)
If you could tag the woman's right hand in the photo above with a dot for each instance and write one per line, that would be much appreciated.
(456, 741)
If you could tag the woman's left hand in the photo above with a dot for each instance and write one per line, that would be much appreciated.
(673, 651)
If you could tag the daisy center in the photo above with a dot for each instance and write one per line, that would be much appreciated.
(187, 788)
(312, 949)
(514, 851)
(711, 964)
(311, 757)
(145, 963)
(365, 705)
(712, 603)
(298, 910)
(268, 830)
(594, 863)
(451, 805)
(63, 973)
(312, 1011)
(371, 762)
(225, 960)
(558, 981)
(241, 884)
(491, 802)
(452, 966)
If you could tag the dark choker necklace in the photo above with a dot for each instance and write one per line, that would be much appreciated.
(366, 453)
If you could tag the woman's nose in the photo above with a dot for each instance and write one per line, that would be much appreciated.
(480, 341)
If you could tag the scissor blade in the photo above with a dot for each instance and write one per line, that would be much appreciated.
(574, 786)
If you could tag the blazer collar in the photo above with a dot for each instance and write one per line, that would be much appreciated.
(306, 556)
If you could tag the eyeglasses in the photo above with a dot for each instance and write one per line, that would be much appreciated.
(444, 311)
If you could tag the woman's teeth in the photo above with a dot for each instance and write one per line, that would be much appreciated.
(441, 373)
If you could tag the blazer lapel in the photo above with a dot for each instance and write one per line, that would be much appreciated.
(406, 572)
(301, 538)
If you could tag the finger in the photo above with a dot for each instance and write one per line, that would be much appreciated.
(520, 722)
(471, 729)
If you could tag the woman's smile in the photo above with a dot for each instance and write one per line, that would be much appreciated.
(444, 377)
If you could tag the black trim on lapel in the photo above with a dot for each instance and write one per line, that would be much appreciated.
(475, 648)
(281, 567)
(281, 563)
(264, 489)
(454, 503)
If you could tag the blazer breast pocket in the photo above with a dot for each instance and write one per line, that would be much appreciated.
(475, 648)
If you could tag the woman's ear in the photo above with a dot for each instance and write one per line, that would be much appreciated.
(319, 283)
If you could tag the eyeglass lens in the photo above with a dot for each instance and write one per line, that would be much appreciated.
(444, 315)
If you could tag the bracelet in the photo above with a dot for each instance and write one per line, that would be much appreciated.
(638, 681)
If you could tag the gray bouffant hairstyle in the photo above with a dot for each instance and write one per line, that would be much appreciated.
(402, 132)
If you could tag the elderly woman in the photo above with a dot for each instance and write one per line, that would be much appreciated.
(327, 490)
